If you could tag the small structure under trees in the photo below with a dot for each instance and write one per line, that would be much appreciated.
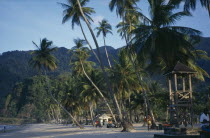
(103, 116)
(180, 93)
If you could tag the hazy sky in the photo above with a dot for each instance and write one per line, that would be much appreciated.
(24, 21)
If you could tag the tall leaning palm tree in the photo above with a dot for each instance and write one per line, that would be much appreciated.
(89, 93)
(104, 28)
(124, 78)
(108, 83)
(132, 17)
(71, 11)
(43, 60)
(122, 7)
(158, 42)
(80, 54)
(127, 10)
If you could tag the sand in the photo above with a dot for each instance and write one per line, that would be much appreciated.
(62, 131)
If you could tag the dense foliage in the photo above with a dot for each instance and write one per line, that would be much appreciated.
(77, 82)
(29, 98)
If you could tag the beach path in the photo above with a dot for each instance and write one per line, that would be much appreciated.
(62, 131)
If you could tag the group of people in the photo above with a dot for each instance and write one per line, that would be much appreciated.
(204, 120)
(101, 123)
(147, 120)
(98, 124)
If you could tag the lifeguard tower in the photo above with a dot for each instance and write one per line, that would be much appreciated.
(180, 94)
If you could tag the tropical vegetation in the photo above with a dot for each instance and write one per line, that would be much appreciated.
(127, 87)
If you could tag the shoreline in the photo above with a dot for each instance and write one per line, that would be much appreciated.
(59, 130)
(11, 128)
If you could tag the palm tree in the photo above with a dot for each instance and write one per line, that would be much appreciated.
(89, 94)
(127, 10)
(122, 5)
(81, 55)
(191, 4)
(132, 17)
(72, 99)
(198, 55)
(44, 60)
(115, 101)
(80, 52)
(157, 42)
(71, 11)
(124, 78)
(123, 9)
(104, 28)
(158, 97)
(162, 43)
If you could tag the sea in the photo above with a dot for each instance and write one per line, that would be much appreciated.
(8, 127)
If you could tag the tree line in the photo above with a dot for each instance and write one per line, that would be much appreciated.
(153, 44)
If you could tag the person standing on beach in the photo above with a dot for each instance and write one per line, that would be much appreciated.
(204, 120)
(4, 129)
(97, 123)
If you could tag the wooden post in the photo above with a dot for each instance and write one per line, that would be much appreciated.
(170, 91)
(167, 109)
(183, 83)
(171, 97)
(175, 91)
(190, 90)
(175, 99)
(190, 83)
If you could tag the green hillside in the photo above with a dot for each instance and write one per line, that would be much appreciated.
(14, 64)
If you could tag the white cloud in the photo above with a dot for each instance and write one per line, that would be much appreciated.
(97, 19)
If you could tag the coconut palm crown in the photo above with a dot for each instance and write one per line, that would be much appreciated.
(42, 57)
(191, 4)
(79, 50)
(71, 11)
(104, 28)
(160, 41)
(122, 5)
(80, 53)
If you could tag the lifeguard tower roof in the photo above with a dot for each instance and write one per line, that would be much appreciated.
(180, 68)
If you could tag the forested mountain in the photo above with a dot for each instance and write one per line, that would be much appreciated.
(14, 64)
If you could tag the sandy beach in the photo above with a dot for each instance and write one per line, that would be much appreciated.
(54, 130)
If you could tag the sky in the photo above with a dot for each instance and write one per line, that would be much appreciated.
(24, 21)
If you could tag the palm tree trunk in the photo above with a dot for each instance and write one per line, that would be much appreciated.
(138, 76)
(91, 113)
(107, 55)
(81, 127)
(88, 42)
(146, 101)
(49, 116)
(48, 88)
(123, 108)
(115, 101)
(98, 91)
(86, 118)
(130, 111)
(59, 114)
(53, 114)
